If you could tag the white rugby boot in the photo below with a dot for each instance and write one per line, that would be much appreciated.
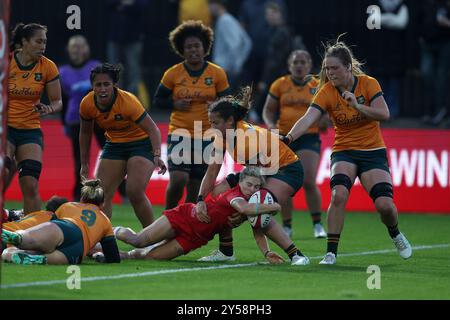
(217, 256)
(403, 246)
(330, 258)
(299, 260)
(319, 231)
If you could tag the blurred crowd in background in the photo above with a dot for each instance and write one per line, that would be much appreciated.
(409, 54)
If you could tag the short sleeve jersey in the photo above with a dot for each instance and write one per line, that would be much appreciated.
(353, 130)
(252, 145)
(25, 87)
(201, 87)
(120, 121)
(294, 99)
(93, 223)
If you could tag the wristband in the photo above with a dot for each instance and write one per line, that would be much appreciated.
(286, 139)
(290, 137)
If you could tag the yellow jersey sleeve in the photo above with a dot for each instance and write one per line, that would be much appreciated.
(85, 107)
(168, 79)
(52, 72)
(321, 100)
(274, 90)
(136, 112)
(373, 89)
(222, 81)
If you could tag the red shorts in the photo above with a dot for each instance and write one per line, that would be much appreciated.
(183, 220)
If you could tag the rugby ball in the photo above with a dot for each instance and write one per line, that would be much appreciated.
(261, 220)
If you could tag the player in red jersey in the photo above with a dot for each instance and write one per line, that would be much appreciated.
(181, 230)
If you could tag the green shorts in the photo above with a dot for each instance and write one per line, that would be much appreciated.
(126, 150)
(364, 160)
(72, 246)
(19, 137)
(292, 174)
(195, 166)
(310, 141)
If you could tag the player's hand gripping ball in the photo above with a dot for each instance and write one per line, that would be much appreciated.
(261, 220)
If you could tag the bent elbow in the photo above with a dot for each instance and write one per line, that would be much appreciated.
(385, 116)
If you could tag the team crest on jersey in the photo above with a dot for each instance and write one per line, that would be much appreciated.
(38, 76)
(361, 99)
(118, 117)
(312, 91)
(208, 81)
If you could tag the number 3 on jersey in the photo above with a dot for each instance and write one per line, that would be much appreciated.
(89, 217)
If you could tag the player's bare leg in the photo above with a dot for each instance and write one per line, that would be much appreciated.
(29, 184)
(177, 182)
(159, 230)
(139, 171)
(111, 173)
(378, 184)
(343, 177)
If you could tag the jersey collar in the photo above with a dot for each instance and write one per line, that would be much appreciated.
(22, 67)
(301, 83)
(355, 83)
(195, 73)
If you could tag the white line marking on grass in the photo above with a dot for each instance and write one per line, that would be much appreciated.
(436, 246)
(127, 275)
(226, 266)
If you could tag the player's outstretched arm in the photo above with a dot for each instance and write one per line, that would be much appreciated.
(253, 209)
(110, 250)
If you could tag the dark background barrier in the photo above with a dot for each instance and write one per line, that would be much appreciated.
(316, 21)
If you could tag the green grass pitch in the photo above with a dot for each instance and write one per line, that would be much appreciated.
(364, 242)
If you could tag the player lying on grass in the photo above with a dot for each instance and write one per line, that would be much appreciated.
(183, 231)
(38, 217)
(70, 237)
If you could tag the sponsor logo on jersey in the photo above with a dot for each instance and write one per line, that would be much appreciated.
(208, 81)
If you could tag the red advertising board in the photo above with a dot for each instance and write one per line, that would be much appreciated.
(419, 162)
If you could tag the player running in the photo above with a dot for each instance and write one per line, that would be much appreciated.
(355, 103)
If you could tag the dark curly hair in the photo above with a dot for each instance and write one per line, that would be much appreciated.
(54, 203)
(191, 28)
(106, 68)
